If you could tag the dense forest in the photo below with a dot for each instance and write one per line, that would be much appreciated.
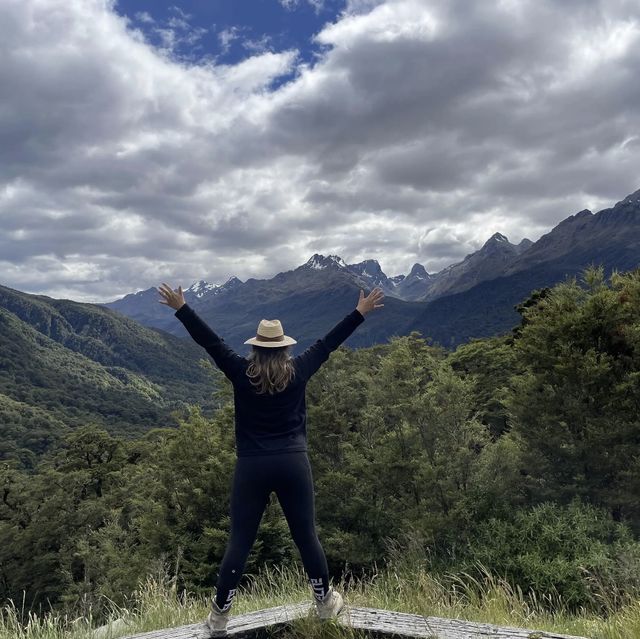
(518, 452)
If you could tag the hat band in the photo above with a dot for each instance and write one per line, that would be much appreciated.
(262, 338)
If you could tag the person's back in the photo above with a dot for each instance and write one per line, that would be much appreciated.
(271, 443)
(269, 423)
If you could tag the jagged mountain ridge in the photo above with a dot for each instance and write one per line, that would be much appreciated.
(489, 262)
(586, 235)
(610, 236)
(417, 285)
(202, 288)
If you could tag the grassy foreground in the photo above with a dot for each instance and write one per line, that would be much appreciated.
(155, 605)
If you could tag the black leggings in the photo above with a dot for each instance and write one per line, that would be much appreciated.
(254, 479)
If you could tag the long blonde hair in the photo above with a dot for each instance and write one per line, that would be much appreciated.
(270, 369)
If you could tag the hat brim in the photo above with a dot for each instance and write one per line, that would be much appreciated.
(287, 341)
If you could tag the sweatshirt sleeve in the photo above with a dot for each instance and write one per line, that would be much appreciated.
(310, 360)
(227, 360)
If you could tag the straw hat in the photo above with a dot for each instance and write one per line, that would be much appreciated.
(270, 334)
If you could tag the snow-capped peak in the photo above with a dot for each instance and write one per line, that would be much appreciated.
(338, 260)
(201, 287)
(319, 261)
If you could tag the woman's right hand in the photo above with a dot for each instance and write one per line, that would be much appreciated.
(367, 304)
(174, 299)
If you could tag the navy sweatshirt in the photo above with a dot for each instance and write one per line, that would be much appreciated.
(268, 424)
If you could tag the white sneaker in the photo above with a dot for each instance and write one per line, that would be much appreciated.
(217, 620)
(331, 605)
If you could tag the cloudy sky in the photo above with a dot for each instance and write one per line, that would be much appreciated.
(144, 141)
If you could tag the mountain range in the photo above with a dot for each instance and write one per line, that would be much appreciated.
(121, 365)
(475, 297)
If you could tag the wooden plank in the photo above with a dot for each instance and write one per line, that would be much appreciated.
(372, 620)
(412, 625)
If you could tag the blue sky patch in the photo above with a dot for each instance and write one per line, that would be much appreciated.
(229, 31)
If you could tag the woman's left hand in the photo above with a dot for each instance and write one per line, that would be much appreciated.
(174, 299)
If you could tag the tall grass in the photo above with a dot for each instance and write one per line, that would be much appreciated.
(404, 584)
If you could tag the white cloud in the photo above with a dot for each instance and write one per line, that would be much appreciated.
(144, 16)
(424, 128)
(257, 45)
(227, 36)
(290, 5)
(174, 33)
(395, 21)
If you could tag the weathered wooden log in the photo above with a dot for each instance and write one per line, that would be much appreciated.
(379, 623)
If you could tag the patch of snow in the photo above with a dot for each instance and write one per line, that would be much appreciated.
(201, 288)
(318, 261)
(338, 260)
(315, 262)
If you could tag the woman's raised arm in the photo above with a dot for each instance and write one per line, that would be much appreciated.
(228, 361)
(318, 353)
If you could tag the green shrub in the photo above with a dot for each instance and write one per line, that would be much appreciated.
(575, 552)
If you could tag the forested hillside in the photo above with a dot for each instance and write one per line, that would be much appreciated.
(64, 364)
(519, 452)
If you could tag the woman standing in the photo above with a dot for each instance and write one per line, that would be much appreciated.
(271, 443)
